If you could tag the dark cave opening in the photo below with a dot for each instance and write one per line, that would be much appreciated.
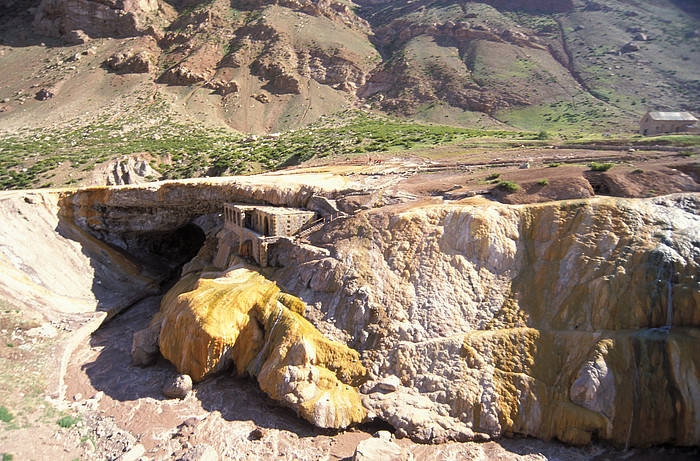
(180, 245)
(165, 252)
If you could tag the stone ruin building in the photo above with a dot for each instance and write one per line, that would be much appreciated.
(258, 226)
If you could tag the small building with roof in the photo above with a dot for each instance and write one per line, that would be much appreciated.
(656, 122)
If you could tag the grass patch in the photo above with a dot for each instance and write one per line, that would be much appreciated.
(595, 166)
(542, 182)
(508, 186)
(68, 421)
(493, 176)
(180, 151)
(553, 165)
(5, 415)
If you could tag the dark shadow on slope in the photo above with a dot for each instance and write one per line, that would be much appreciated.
(691, 7)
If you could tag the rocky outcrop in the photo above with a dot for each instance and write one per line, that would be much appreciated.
(400, 31)
(140, 62)
(213, 320)
(120, 215)
(95, 18)
(129, 170)
(574, 320)
(331, 9)
(404, 83)
(568, 320)
(542, 6)
(271, 55)
(81, 275)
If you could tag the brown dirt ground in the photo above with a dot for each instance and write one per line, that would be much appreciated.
(634, 174)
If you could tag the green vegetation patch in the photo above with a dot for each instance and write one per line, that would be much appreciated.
(68, 421)
(508, 186)
(33, 159)
(595, 166)
(5, 415)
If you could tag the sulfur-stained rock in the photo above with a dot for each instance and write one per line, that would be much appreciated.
(211, 320)
(571, 320)
(576, 320)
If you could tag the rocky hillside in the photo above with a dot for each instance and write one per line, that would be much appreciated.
(268, 65)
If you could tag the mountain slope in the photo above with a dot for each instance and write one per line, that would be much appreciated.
(269, 65)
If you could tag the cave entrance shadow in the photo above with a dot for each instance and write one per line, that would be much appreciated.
(121, 278)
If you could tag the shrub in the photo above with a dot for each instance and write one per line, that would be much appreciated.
(595, 166)
(5, 415)
(542, 182)
(7, 457)
(553, 165)
(68, 421)
(493, 176)
(508, 186)
(542, 135)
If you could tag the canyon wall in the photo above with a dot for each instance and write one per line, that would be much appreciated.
(54, 268)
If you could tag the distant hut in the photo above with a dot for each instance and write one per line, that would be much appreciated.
(654, 123)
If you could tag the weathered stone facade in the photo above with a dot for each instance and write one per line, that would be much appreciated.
(256, 227)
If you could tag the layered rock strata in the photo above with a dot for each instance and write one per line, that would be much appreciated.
(95, 18)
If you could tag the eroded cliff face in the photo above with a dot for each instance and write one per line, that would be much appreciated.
(575, 320)
(570, 320)
(53, 267)
(128, 217)
(96, 18)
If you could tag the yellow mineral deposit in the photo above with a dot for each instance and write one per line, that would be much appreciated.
(213, 319)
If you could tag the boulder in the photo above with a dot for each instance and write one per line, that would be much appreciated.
(76, 37)
(630, 47)
(390, 383)
(202, 452)
(144, 348)
(44, 94)
(178, 387)
(375, 449)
